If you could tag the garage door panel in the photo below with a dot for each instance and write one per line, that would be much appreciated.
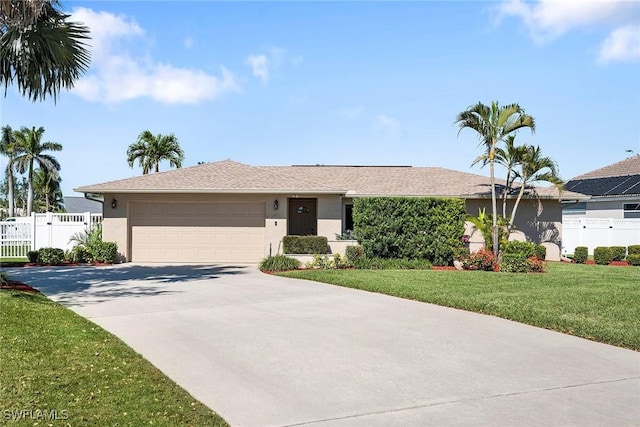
(198, 232)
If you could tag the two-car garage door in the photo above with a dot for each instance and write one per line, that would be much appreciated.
(197, 232)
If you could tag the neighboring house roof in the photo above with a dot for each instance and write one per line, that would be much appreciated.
(75, 204)
(619, 179)
(229, 176)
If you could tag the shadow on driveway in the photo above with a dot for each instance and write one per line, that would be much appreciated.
(91, 285)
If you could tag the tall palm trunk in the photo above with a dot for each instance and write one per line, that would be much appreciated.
(494, 203)
(10, 184)
(515, 206)
(30, 189)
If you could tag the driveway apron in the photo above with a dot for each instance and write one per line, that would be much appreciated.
(267, 351)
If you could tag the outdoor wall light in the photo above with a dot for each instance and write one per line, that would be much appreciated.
(275, 205)
(114, 203)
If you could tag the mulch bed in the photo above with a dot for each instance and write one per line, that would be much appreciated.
(14, 285)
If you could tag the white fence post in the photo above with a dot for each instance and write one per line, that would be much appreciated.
(33, 232)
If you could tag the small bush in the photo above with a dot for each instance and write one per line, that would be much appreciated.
(481, 260)
(33, 256)
(305, 244)
(105, 252)
(392, 264)
(4, 278)
(279, 263)
(346, 235)
(354, 253)
(79, 253)
(50, 256)
(513, 263)
(524, 249)
(602, 255)
(326, 263)
(540, 252)
(581, 254)
(618, 253)
(536, 265)
(633, 250)
(633, 259)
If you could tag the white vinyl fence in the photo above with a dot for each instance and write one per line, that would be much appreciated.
(45, 230)
(594, 232)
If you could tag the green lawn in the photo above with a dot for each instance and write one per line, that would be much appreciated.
(600, 303)
(57, 364)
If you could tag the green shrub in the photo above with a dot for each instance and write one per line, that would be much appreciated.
(523, 249)
(514, 263)
(279, 263)
(50, 256)
(633, 259)
(79, 254)
(354, 253)
(581, 254)
(540, 252)
(536, 265)
(618, 253)
(392, 264)
(105, 252)
(481, 260)
(325, 262)
(633, 250)
(409, 227)
(602, 255)
(305, 244)
(33, 256)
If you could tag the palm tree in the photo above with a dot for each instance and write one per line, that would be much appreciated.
(9, 148)
(493, 125)
(151, 149)
(40, 50)
(534, 168)
(47, 191)
(32, 152)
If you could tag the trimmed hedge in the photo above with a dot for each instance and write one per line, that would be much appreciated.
(618, 253)
(354, 253)
(33, 256)
(79, 253)
(540, 252)
(633, 259)
(279, 263)
(602, 255)
(523, 249)
(633, 250)
(105, 252)
(409, 227)
(50, 256)
(305, 245)
(516, 263)
(581, 254)
(483, 260)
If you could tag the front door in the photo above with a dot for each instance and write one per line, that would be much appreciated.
(303, 218)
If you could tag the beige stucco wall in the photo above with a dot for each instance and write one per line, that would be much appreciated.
(540, 224)
(605, 209)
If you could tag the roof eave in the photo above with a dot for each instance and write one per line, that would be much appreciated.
(203, 191)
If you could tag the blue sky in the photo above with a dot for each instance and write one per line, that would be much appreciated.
(279, 83)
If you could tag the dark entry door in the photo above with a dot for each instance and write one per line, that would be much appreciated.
(303, 217)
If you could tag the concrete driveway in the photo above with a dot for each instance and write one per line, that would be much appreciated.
(268, 351)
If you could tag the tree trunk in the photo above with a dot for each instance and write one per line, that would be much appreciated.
(494, 204)
(10, 196)
(515, 206)
(30, 190)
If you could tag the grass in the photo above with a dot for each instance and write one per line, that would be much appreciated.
(56, 364)
(600, 303)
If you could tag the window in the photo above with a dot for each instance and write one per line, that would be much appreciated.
(348, 217)
(631, 210)
(574, 208)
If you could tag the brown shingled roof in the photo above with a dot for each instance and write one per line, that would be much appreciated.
(630, 166)
(233, 177)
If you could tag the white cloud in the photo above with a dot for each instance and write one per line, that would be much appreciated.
(546, 20)
(387, 124)
(259, 66)
(623, 44)
(263, 64)
(118, 75)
